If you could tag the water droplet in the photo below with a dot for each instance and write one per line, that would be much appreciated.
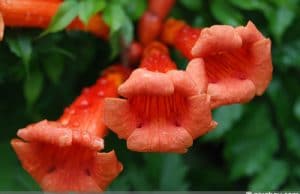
(84, 104)
(65, 121)
(100, 93)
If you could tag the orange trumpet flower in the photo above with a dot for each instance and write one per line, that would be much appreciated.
(164, 109)
(237, 60)
(64, 155)
(38, 14)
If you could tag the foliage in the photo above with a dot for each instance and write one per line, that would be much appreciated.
(256, 146)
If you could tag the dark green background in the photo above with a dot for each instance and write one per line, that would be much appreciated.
(255, 147)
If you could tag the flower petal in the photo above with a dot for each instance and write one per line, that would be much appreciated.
(216, 39)
(118, 117)
(196, 70)
(100, 172)
(231, 90)
(249, 33)
(142, 81)
(261, 73)
(29, 155)
(183, 84)
(160, 139)
(198, 119)
(48, 132)
(79, 181)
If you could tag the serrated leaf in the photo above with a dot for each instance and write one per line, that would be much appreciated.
(66, 13)
(292, 139)
(33, 86)
(173, 173)
(21, 46)
(226, 116)
(246, 147)
(225, 13)
(270, 178)
(89, 8)
(114, 16)
(54, 65)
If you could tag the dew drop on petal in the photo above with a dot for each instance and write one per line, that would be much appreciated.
(84, 104)
(65, 121)
(100, 93)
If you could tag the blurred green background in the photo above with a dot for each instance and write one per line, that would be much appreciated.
(255, 147)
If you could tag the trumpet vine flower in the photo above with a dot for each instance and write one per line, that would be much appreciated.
(164, 109)
(64, 155)
(237, 60)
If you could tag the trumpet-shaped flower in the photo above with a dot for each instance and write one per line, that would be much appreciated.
(64, 155)
(163, 110)
(237, 61)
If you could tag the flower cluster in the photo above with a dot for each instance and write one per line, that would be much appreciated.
(161, 109)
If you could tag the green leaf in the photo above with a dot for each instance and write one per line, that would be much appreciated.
(66, 13)
(292, 139)
(122, 183)
(246, 148)
(7, 167)
(21, 46)
(280, 20)
(54, 66)
(281, 102)
(33, 86)
(225, 13)
(114, 16)
(24, 181)
(287, 55)
(135, 8)
(89, 8)
(270, 178)
(127, 31)
(251, 4)
(115, 44)
(297, 109)
(173, 173)
(226, 116)
(192, 5)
